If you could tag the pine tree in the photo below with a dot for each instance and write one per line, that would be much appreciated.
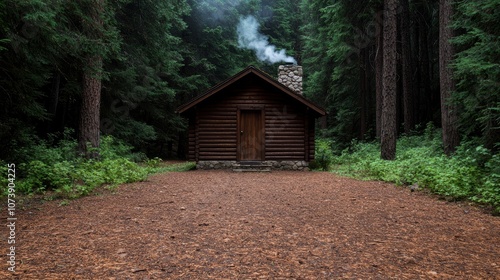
(379, 70)
(388, 127)
(92, 75)
(477, 69)
(451, 138)
(407, 67)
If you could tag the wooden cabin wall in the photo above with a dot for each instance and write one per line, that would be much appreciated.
(288, 127)
(192, 138)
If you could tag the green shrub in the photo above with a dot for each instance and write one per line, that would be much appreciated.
(323, 154)
(54, 165)
(471, 173)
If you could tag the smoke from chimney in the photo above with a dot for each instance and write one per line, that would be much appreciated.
(249, 37)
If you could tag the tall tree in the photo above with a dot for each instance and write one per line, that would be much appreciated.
(407, 67)
(477, 69)
(379, 69)
(388, 129)
(92, 75)
(451, 137)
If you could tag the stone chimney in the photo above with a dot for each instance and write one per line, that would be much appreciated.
(291, 76)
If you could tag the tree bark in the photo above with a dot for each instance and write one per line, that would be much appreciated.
(89, 123)
(389, 86)
(379, 62)
(407, 68)
(451, 138)
(364, 89)
(423, 97)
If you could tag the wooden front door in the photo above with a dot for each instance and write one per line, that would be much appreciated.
(251, 140)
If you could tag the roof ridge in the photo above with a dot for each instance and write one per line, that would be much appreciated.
(264, 75)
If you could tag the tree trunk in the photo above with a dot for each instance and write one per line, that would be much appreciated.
(388, 127)
(89, 133)
(424, 82)
(90, 108)
(379, 62)
(451, 138)
(407, 68)
(364, 89)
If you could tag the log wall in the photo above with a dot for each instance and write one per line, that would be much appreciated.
(213, 127)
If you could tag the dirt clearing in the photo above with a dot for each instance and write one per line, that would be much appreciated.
(278, 225)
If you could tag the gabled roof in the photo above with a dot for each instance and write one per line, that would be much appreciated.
(262, 75)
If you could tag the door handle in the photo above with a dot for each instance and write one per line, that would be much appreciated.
(241, 132)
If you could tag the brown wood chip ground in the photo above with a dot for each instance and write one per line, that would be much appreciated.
(278, 225)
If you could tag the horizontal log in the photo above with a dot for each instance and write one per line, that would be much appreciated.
(295, 127)
(218, 141)
(223, 154)
(284, 144)
(224, 132)
(284, 135)
(284, 153)
(276, 120)
(277, 130)
(285, 149)
(221, 111)
(220, 120)
(216, 118)
(217, 150)
(220, 126)
(204, 157)
(277, 158)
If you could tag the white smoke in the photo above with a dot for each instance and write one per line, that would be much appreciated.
(250, 38)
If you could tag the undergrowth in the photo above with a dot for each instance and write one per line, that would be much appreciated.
(56, 166)
(472, 173)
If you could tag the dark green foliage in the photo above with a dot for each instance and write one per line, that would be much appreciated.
(160, 53)
(323, 155)
(471, 173)
(333, 42)
(51, 165)
(477, 68)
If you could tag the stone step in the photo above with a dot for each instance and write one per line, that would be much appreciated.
(267, 169)
(252, 166)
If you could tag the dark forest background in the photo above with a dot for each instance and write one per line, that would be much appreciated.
(89, 88)
(151, 56)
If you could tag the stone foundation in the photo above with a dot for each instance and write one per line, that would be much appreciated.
(299, 165)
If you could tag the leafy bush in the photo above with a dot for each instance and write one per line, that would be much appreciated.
(323, 154)
(471, 173)
(51, 165)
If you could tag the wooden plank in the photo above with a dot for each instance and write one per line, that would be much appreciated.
(214, 144)
(214, 126)
(271, 154)
(221, 133)
(286, 147)
(291, 151)
(286, 141)
(284, 157)
(217, 157)
(221, 120)
(306, 133)
(218, 141)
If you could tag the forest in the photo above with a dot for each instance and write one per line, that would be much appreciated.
(90, 87)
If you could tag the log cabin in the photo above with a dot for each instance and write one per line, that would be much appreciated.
(253, 120)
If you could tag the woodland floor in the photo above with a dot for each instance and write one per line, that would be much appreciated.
(278, 225)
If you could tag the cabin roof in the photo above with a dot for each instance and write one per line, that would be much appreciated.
(248, 71)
